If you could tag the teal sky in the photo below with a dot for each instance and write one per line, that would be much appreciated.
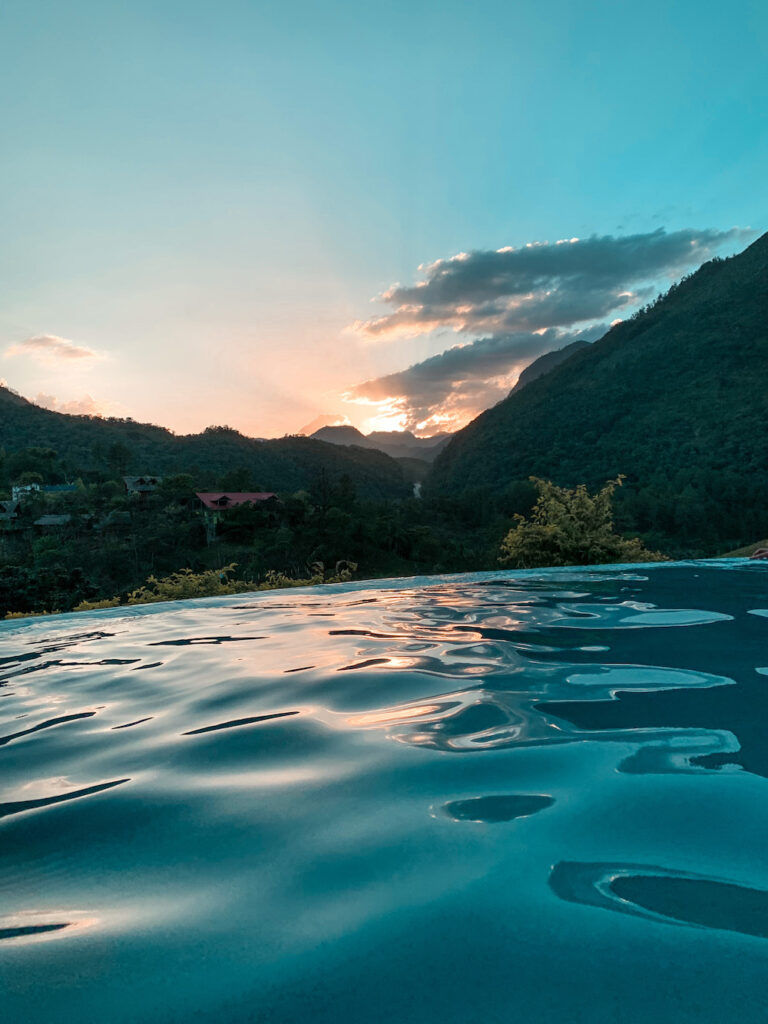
(207, 195)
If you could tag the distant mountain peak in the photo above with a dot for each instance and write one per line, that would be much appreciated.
(392, 435)
(399, 444)
(341, 434)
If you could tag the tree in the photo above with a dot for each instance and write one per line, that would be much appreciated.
(570, 527)
(118, 455)
(42, 461)
(239, 479)
(180, 487)
(28, 477)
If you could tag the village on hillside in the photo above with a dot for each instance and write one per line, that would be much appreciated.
(48, 508)
(65, 543)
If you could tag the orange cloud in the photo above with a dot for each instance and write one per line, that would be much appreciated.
(85, 406)
(50, 347)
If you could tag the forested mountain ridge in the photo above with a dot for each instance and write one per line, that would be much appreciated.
(676, 398)
(546, 363)
(89, 446)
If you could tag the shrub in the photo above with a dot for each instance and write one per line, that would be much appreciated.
(90, 606)
(180, 586)
(570, 527)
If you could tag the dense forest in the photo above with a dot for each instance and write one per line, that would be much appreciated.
(98, 540)
(674, 398)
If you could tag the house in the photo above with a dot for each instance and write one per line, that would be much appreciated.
(24, 490)
(59, 488)
(53, 522)
(216, 502)
(142, 485)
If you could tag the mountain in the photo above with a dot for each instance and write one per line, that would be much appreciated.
(676, 398)
(88, 445)
(546, 363)
(402, 444)
(342, 434)
(399, 444)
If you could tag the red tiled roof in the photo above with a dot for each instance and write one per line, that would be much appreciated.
(231, 499)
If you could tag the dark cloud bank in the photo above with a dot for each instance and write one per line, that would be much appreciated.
(525, 302)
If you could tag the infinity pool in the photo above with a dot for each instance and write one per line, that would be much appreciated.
(513, 797)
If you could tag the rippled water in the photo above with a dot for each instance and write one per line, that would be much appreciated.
(506, 797)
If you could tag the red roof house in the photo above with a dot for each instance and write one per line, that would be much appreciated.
(216, 501)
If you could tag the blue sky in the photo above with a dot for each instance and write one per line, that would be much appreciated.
(207, 196)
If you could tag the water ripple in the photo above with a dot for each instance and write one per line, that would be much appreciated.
(665, 896)
(16, 806)
(271, 822)
(491, 809)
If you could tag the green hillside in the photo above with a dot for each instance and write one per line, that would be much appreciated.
(90, 447)
(675, 398)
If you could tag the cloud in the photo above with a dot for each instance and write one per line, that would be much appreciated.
(85, 406)
(455, 385)
(49, 347)
(521, 302)
(542, 284)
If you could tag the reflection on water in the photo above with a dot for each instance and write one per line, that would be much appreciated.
(26, 927)
(16, 806)
(239, 721)
(490, 809)
(665, 895)
(256, 800)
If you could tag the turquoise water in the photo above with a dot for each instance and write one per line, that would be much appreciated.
(504, 797)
